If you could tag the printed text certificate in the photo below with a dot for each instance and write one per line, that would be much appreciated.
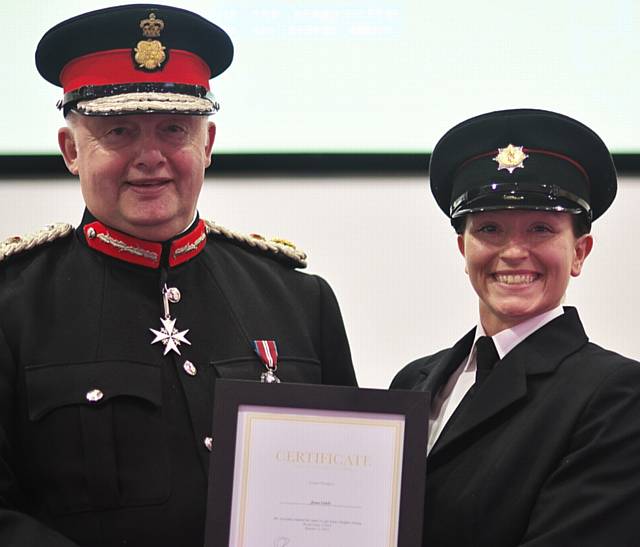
(310, 478)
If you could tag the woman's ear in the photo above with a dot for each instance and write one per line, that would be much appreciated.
(461, 243)
(462, 251)
(583, 247)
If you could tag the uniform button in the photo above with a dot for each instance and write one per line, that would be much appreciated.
(94, 395)
(208, 442)
(91, 233)
(190, 368)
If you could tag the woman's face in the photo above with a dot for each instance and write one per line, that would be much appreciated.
(519, 263)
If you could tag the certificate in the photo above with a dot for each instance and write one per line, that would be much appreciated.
(310, 476)
(309, 466)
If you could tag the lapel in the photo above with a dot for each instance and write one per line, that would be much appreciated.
(539, 353)
(434, 376)
(231, 335)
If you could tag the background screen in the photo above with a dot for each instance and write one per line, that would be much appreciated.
(370, 75)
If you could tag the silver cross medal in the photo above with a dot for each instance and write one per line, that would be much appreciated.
(168, 334)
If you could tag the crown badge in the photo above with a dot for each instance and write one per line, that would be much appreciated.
(150, 54)
(511, 158)
(152, 27)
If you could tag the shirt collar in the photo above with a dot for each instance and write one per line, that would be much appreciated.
(507, 339)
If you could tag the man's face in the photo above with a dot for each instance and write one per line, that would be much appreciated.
(520, 262)
(140, 174)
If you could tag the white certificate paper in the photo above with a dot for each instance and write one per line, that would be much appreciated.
(316, 478)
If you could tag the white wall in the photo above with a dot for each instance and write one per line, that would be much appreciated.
(388, 252)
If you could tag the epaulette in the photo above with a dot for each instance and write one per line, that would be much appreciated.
(18, 244)
(280, 249)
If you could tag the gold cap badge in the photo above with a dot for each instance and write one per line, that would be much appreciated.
(152, 27)
(150, 54)
(511, 158)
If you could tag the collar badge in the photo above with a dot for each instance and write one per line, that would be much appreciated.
(511, 158)
(149, 54)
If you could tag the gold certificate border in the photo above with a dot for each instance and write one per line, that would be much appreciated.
(252, 417)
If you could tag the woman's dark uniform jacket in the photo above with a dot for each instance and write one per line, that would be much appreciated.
(131, 469)
(547, 451)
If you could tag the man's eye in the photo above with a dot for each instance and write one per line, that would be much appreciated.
(117, 131)
(488, 228)
(175, 129)
(541, 228)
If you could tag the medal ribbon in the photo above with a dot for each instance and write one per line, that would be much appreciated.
(267, 352)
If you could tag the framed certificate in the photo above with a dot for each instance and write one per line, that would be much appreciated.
(298, 465)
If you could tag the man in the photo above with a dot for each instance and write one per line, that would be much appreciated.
(112, 334)
(534, 434)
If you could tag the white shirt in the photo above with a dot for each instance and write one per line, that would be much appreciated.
(451, 394)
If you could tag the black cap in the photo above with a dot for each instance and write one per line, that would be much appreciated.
(522, 159)
(136, 58)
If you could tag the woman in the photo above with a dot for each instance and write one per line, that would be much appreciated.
(534, 435)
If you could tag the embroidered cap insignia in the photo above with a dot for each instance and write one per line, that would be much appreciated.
(150, 54)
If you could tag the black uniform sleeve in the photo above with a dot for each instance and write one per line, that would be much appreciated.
(592, 498)
(337, 367)
(17, 529)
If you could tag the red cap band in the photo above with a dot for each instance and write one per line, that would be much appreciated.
(116, 66)
(558, 155)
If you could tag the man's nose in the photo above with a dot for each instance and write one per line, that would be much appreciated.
(149, 153)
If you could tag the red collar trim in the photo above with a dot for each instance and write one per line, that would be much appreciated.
(186, 247)
(141, 252)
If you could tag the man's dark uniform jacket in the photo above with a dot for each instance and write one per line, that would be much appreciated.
(102, 437)
(546, 453)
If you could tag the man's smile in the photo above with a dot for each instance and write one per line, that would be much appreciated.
(148, 182)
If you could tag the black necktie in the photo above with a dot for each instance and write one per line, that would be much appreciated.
(486, 357)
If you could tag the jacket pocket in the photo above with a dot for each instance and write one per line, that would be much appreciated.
(290, 369)
(99, 440)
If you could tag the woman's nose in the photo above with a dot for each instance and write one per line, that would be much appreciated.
(515, 248)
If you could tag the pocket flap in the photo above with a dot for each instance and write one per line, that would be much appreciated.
(290, 369)
(56, 385)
